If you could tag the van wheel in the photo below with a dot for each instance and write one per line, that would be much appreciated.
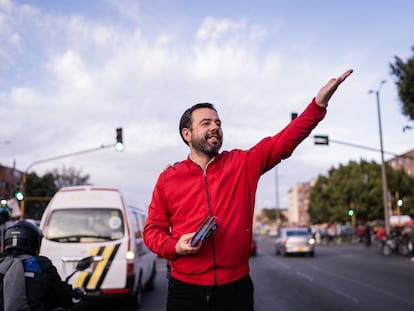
(150, 285)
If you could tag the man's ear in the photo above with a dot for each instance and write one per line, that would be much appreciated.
(186, 134)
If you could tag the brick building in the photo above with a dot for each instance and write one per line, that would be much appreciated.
(299, 200)
(10, 179)
(404, 161)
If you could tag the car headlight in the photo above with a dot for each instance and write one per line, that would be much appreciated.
(311, 241)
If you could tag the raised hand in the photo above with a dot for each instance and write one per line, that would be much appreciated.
(327, 91)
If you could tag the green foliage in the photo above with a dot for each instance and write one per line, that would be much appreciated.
(357, 186)
(404, 72)
(68, 177)
(270, 215)
(39, 189)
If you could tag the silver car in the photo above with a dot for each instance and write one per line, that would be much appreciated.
(295, 241)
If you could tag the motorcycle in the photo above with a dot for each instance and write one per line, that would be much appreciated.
(396, 244)
(82, 265)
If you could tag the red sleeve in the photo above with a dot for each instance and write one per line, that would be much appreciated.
(157, 228)
(272, 150)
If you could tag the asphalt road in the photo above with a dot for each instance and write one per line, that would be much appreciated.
(339, 277)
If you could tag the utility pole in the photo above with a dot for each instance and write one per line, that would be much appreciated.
(383, 171)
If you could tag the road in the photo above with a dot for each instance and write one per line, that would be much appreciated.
(339, 277)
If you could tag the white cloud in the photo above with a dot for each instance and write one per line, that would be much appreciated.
(71, 72)
(23, 97)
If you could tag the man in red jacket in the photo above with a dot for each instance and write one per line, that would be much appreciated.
(214, 274)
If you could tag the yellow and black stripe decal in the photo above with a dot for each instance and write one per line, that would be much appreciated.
(93, 280)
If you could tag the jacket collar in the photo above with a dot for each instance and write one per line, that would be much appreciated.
(210, 163)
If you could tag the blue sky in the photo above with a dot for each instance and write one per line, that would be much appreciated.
(73, 71)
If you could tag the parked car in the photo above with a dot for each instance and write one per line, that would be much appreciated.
(294, 240)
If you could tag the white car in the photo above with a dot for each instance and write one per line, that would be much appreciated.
(295, 240)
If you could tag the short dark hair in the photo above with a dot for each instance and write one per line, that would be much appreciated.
(186, 119)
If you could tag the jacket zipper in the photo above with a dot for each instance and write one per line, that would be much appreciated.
(212, 237)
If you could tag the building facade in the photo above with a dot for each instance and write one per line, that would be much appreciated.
(299, 201)
(10, 180)
(404, 161)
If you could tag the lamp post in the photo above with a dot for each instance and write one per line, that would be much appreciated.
(383, 172)
(277, 194)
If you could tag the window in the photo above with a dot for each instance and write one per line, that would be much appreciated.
(85, 225)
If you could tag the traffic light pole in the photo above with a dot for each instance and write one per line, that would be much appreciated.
(317, 138)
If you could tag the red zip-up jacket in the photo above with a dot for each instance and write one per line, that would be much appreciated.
(185, 195)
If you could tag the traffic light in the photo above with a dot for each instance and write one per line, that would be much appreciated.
(350, 212)
(119, 145)
(321, 139)
(400, 202)
(18, 192)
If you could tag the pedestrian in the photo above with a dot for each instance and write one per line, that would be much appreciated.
(5, 211)
(38, 286)
(5, 218)
(214, 274)
(381, 236)
(367, 235)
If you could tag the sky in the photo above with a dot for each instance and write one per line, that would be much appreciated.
(72, 71)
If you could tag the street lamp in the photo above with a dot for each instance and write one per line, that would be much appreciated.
(383, 172)
(277, 193)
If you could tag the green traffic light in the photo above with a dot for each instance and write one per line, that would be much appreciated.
(19, 196)
(119, 145)
(400, 202)
(350, 212)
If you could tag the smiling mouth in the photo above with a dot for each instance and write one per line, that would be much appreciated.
(214, 137)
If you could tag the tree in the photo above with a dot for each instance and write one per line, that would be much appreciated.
(403, 185)
(404, 73)
(270, 215)
(40, 189)
(357, 186)
(68, 177)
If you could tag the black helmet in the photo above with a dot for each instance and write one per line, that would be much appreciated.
(23, 236)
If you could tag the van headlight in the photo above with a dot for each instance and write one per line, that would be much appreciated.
(130, 255)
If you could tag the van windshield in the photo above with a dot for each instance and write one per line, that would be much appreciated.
(85, 225)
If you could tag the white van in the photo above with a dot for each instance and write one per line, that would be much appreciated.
(85, 221)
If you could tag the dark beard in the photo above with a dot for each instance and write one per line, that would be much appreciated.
(204, 147)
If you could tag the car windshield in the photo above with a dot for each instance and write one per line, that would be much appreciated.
(84, 225)
(297, 233)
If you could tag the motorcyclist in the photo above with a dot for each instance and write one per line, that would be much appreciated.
(5, 211)
(45, 289)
